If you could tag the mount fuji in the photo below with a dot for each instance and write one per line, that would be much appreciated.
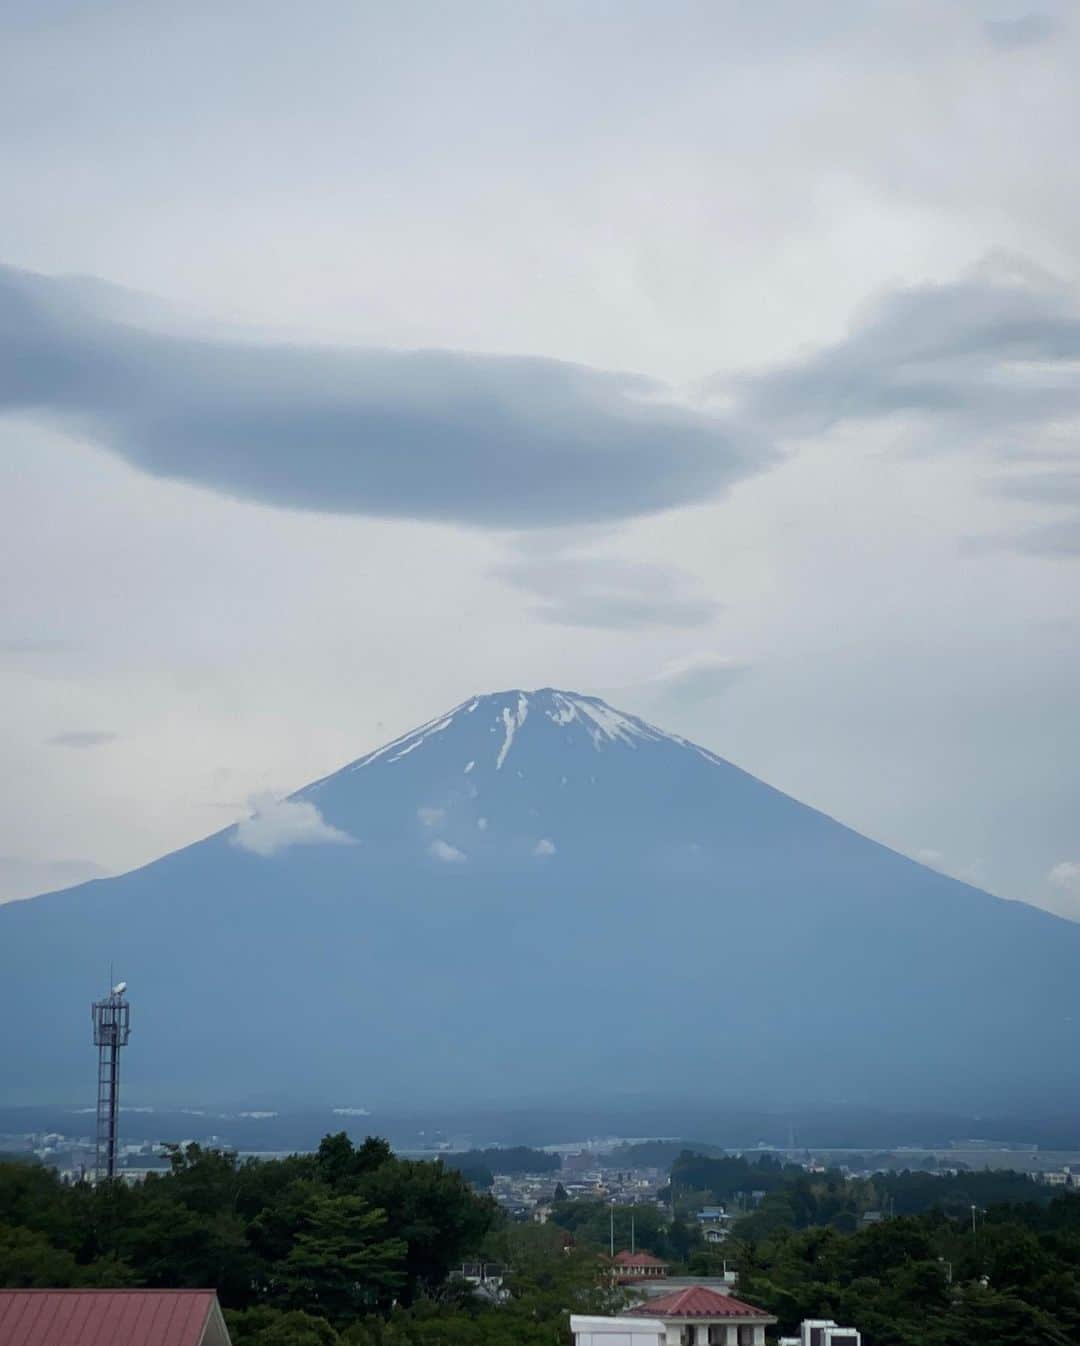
(537, 898)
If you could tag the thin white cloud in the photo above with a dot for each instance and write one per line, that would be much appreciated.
(449, 855)
(699, 677)
(277, 824)
(575, 587)
(544, 847)
(431, 817)
(1066, 875)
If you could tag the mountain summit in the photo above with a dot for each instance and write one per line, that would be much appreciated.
(538, 897)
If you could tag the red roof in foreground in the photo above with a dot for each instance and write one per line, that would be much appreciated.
(625, 1259)
(698, 1301)
(104, 1317)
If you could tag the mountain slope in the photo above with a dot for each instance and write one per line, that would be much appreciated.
(537, 897)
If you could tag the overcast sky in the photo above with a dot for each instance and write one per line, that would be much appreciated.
(719, 359)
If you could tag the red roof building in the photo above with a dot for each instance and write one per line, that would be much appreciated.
(111, 1318)
(638, 1266)
(699, 1316)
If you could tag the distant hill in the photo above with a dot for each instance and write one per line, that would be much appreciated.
(536, 900)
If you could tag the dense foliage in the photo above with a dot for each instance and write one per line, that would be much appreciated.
(349, 1244)
(960, 1259)
(779, 1195)
(930, 1280)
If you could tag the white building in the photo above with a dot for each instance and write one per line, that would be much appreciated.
(623, 1331)
(699, 1316)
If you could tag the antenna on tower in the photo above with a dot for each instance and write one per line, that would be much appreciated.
(112, 1028)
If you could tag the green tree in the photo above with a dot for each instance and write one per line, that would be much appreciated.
(29, 1261)
(984, 1318)
(434, 1211)
(265, 1326)
(342, 1262)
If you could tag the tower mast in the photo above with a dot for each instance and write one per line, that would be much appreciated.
(112, 1028)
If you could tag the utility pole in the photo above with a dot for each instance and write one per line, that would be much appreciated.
(612, 1216)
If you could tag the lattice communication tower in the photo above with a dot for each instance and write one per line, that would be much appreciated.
(112, 1027)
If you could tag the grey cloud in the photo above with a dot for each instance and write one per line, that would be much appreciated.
(1042, 488)
(1060, 539)
(30, 646)
(83, 738)
(623, 613)
(1025, 31)
(493, 441)
(997, 348)
(606, 592)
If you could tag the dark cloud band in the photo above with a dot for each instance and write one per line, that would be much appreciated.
(497, 442)
(997, 349)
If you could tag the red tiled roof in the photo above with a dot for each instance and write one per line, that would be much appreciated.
(698, 1301)
(625, 1259)
(104, 1317)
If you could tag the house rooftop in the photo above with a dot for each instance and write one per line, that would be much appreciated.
(111, 1318)
(640, 1259)
(698, 1301)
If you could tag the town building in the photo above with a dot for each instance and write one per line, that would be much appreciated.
(650, 1289)
(638, 1266)
(1064, 1177)
(823, 1332)
(111, 1318)
(699, 1316)
(487, 1280)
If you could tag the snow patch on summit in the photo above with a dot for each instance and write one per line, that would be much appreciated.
(600, 720)
(568, 711)
(512, 722)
